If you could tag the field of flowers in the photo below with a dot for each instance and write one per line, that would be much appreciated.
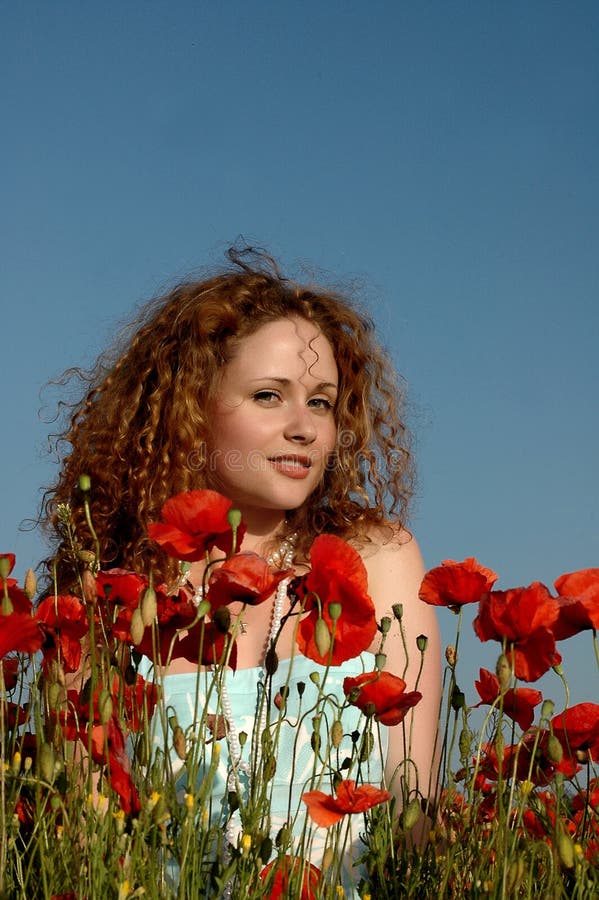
(108, 791)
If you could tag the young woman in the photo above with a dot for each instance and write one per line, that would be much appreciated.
(278, 396)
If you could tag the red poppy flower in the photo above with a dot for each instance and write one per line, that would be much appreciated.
(523, 617)
(531, 759)
(454, 584)
(578, 603)
(65, 621)
(11, 666)
(381, 694)
(578, 728)
(338, 575)
(20, 633)
(108, 745)
(246, 578)
(193, 523)
(517, 703)
(14, 715)
(109, 748)
(287, 875)
(121, 591)
(588, 797)
(204, 644)
(325, 810)
(139, 701)
(120, 587)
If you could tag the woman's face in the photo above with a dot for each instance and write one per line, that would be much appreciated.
(273, 421)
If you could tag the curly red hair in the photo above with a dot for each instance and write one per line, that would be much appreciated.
(140, 428)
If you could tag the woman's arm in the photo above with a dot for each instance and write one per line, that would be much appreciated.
(395, 571)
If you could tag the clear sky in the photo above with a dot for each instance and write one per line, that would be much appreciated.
(442, 156)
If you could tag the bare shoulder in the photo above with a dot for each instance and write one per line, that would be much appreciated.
(394, 565)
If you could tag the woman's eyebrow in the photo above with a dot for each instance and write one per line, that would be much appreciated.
(284, 382)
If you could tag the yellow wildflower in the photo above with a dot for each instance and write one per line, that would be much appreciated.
(246, 844)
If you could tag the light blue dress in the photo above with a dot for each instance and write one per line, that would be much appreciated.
(311, 692)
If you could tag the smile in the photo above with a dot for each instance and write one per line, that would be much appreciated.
(292, 466)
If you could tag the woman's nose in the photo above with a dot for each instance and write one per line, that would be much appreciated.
(300, 426)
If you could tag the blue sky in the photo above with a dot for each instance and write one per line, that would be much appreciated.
(444, 157)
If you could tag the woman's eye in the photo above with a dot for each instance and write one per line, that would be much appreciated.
(266, 396)
(321, 403)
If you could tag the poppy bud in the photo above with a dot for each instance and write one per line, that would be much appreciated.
(379, 661)
(86, 556)
(85, 483)
(283, 837)
(269, 768)
(30, 584)
(301, 687)
(4, 566)
(130, 675)
(243, 736)
(565, 849)
(89, 587)
(234, 518)
(503, 671)
(315, 678)
(137, 627)
(149, 606)
(411, 814)
(322, 637)
(46, 762)
(458, 699)
(222, 619)
(105, 706)
(141, 753)
(179, 743)
(385, 625)
(555, 751)
(54, 695)
(335, 611)
(398, 611)
(271, 660)
(367, 745)
(547, 709)
(369, 709)
(265, 849)
(336, 733)
(16, 763)
(422, 642)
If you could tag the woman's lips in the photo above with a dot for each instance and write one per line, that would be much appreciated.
(292, 466)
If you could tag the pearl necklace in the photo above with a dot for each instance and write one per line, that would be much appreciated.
(282, 557)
